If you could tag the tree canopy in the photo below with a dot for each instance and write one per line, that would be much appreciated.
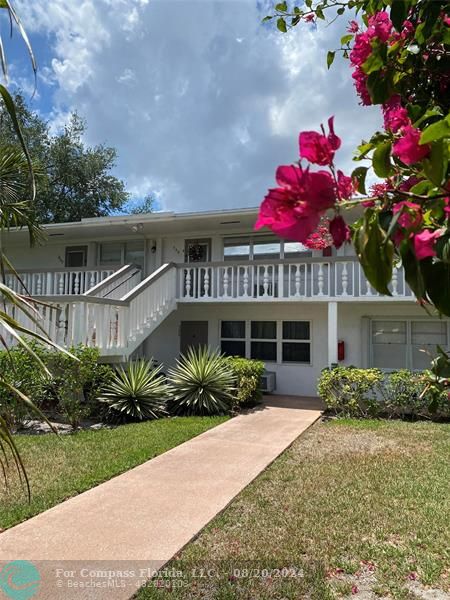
(73, 180)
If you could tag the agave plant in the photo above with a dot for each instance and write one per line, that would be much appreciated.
(137, 392)
(201, 383)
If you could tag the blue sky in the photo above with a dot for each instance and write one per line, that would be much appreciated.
(201, 101)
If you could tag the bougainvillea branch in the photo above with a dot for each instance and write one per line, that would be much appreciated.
(399, 55)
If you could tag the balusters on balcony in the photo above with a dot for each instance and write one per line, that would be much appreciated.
(313, 278)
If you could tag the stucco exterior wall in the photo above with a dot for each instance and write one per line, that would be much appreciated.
(353, 319)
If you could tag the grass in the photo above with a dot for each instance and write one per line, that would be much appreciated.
(357, 509)
(61, 467)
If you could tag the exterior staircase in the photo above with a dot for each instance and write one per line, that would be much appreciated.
(115, 316)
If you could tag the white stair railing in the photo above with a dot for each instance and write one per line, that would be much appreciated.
(115, 326)
(118, 284)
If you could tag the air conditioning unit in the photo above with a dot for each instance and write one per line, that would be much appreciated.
(268, 381)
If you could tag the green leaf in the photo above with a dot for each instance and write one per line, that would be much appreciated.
(423, 187)
(281, 7)
(413, 274)
(375, 251)
(345, 39)
(319, 13)
(399, 12)
(360, 175)
(268, 18)
(341, 10)
(373, 63)
(436, 131)
(330, 58)
(435, 166)
(281, 24)
(381, 159)
(437, 283)
(443, 248)
(379, 88)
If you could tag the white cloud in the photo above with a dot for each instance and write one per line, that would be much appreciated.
(201, 100)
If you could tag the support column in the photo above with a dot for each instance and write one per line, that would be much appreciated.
(332, 333)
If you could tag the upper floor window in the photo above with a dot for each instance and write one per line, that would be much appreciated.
(121, 253)
(76, 256)
(262, 248)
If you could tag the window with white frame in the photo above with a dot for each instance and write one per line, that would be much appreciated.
(232, 335)
(296, 343)
(406, 343)
(270, 341)
(262, 248)
(117, 253)
(263, 340)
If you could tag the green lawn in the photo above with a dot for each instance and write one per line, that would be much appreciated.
(357, 509)
(60, 467)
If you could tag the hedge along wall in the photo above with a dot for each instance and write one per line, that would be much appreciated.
(353, 392)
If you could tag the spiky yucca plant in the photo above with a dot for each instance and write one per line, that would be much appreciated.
(137, 392)
(201, 383)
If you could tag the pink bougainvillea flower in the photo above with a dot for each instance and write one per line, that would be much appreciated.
(355, 590)
(353, 27)
(379, 27)
(395, 115)
(411, 214)
(346, 186)
(293, 210)
(310, 18)
(407, 148)
(424, 243)
(447, 207)
(339, 230)
(320, 238)
(317, 147)
(407, 184)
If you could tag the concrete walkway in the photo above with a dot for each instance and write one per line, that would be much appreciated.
(138, 521)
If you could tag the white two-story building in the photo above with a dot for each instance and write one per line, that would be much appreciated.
(155, 284)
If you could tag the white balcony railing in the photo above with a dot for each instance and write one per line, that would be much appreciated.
(54, 282)
(282, 280)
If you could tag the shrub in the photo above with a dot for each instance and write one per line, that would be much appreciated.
(77, 383)
(201, 383)
(137, 392)
(405, 393)
(20, 370)
(72, 388)
(247, 380)
(350, 392)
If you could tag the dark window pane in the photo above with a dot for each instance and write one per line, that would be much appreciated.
(296, 352)
(264, 350)
(265, 330)
(233, 348)
(233, 329)
(295, 330)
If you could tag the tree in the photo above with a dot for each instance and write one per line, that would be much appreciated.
(74, 180)
(147, 205)
(399, 52)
